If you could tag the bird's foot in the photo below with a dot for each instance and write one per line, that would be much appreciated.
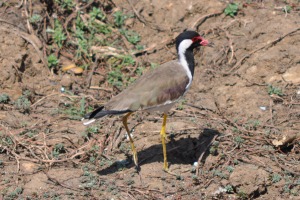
(167, 170)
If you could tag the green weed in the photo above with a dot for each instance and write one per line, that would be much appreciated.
(52, 61)
(119, 18)
(238, 141)
(96, 13)
(58, 35)
(219, 174)
(73, 111)
(66, 4)
(274, 90)
(58, 149)
(6, 141)
(236, 162)
(276, 178)
(82, 44)
(231, 9)
(213, 150)
(89, 181)
(23, 103)
(230, 169)
(35, 18)
(14, 194)
(131, 36)
(181, 104)
(242, 195)
(129, 182)
(229, 189)
(4, 98)
(287, 9)
(153, 65)
(115, 77)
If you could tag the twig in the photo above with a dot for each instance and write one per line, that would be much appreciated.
(56, 182)
(136, 13)
(202, 19)
(101, 88)
(89, 79)
(234, 68)
(230, 44)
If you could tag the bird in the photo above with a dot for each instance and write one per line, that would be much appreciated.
(157, 90)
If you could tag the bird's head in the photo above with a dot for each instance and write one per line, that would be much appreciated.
(190, 40)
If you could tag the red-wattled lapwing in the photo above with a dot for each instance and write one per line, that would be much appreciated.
(158, 90)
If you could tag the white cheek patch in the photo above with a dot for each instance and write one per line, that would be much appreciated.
(183, 46)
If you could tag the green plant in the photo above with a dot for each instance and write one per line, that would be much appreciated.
(115, 77)
(231, 9)
(58, 35)
(242, 195)
(127, 60)
(230, 169)
(58, 149)
(219, 174)
(14, 194)
(153, 65)
(181, 104)
(66, 4)
(274, 90)
(88, 180)
(238, 141)
(213, 150)
(35, 18)
(129, 182)
(52, 61)
(23, 103)
(4, 98)
(96, 13)
(7, 141)
(287, 9)
(235, 162)
(119, 18)
(92, 129)
(73, 111)
(229, 189)
(276, 178)
(82, 44)
(132, 36)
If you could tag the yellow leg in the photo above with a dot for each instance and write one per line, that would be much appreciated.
(163, 141)
(135, 159)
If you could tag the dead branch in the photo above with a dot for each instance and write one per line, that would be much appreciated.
(268, 45)
(202, 19)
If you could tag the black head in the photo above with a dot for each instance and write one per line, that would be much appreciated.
(194, 37)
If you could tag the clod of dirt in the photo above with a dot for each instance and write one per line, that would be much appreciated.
(292, 74)
(28, 167)
(66, 81)
(249, 180)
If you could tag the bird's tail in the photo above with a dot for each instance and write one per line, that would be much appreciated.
(100, 112)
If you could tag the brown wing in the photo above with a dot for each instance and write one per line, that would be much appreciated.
(165, 83)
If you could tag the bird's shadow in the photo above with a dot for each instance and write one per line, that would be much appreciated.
(182, 151)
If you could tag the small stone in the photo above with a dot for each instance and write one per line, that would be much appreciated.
(249, 179)
(66, 81)
(292, 75)
(264, 108)
(28, 167)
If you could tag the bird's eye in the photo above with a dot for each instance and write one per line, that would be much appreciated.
(197, 39)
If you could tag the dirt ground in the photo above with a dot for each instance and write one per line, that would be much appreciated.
(235, 135)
